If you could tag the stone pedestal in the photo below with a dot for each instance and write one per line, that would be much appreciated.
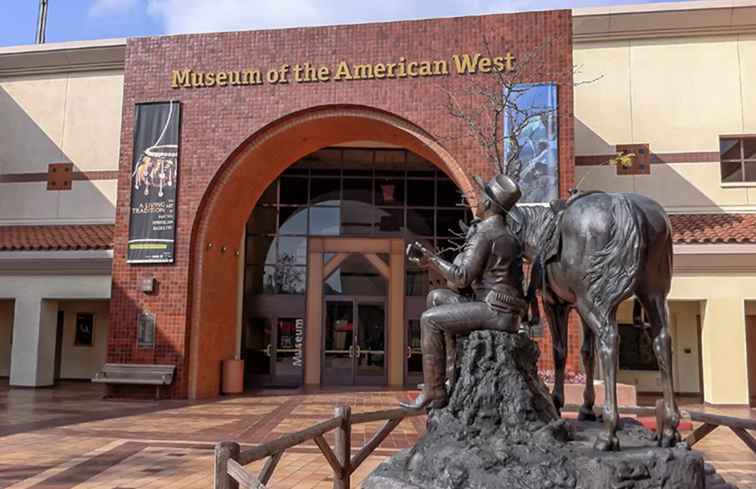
(500, 430)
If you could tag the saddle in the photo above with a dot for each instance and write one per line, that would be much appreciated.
(550, 252)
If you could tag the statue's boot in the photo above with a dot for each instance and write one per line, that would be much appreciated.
(434, 393)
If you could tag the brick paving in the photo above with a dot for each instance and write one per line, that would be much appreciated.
(68, 437)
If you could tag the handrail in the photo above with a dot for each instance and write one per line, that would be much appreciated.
(229, 471)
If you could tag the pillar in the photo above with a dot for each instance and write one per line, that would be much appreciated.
(34, 335)
(395, 342)
(725, 367)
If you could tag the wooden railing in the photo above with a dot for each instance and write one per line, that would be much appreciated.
(229, 471)
(710, 422)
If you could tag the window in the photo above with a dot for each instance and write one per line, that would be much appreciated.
(737, 157)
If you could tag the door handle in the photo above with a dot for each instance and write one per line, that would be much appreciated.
(409, 352)
(359, 352)
(269, 350)
(351, 351)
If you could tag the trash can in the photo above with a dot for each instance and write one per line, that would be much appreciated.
(233, 376)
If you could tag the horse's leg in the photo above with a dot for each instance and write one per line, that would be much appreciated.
(589, 393)
(604, 327)
(557, 317)
(655, 304)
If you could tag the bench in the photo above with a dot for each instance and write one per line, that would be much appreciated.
(136, 374)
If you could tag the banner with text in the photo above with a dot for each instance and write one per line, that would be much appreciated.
(154, 174)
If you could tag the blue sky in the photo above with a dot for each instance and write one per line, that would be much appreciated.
(70, 20)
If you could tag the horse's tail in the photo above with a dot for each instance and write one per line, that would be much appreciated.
(613, 269)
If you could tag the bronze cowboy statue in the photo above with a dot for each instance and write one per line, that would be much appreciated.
(490, 264)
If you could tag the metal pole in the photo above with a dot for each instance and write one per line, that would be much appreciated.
(41, 22)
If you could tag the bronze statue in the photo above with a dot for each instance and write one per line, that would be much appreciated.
(490, 263)
(592, 253)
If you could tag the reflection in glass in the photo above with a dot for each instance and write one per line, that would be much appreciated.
(325, 221)
(293, 220)
(339, 324)
(257, 337)
(732, 171)
(355, 276)
(357, 218)
(729, 149)
(389, 191)
(292, 250)
(415, 354)
(531, 140)
(420, 221)
(371, 321)
(389, 220)
(325, 190)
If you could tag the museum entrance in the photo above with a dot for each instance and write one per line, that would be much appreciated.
(329, 298)
(355, 306)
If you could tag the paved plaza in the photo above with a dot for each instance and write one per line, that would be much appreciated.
(68, 437)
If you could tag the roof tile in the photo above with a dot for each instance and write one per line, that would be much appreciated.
(58, 237)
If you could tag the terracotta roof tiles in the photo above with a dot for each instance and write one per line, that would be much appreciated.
(58, 237)
(713, 228)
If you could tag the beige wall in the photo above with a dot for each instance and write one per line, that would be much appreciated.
(685, 366)
(82, 362)
(678, 95)
(59, 118)
(6, 334)
(723, 331)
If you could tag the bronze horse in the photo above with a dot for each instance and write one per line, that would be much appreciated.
(591, 254)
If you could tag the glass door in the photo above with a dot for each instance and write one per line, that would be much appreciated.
(370, 347)
(273, 343)
(338, 351)
(355, 341)
(414, 307)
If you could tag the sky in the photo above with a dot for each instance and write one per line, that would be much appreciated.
(71, 20)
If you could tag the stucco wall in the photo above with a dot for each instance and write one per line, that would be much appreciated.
(678, 95)
(82, 362)
(59, 118)
(685, 366)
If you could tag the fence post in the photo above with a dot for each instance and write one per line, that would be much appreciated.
(225, 451)
(343, 447)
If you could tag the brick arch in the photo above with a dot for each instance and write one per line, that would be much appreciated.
(231, 196)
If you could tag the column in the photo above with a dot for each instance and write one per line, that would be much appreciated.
(725, 367)
(313, 322)
(395, 344)
(34, 334)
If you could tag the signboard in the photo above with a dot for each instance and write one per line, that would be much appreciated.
(531, 140)
(154, 175)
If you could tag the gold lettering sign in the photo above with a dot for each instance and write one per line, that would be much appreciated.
(460, 64)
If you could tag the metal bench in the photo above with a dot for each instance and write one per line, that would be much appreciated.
(136, 374)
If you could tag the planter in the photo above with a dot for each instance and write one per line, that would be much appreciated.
(233, 377)
(573, 393)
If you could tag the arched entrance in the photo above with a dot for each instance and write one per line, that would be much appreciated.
(229, 200)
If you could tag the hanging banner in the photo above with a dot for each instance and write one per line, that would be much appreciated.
(154, 174)
(531, 140)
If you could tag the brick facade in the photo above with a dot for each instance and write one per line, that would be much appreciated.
(236, 139)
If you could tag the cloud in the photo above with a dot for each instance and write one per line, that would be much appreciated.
(183, 16)
(104, 8)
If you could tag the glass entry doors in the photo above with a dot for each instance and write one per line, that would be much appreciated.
(355, 341)
(273, 343)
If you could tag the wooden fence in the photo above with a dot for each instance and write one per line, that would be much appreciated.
(229, 471)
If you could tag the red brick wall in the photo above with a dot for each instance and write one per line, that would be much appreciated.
(217, 121)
